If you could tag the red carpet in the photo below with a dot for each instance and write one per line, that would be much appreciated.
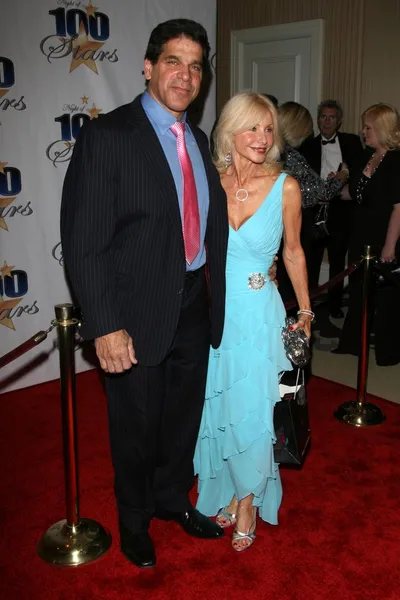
(338, 538)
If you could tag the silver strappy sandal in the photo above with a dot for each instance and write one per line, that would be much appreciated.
(249, 535)
(225, 518)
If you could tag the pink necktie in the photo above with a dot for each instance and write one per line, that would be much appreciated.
(191, 217)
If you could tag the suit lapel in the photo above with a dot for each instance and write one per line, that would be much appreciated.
(146, 139)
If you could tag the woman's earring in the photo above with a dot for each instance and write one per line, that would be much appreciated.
(228, 159)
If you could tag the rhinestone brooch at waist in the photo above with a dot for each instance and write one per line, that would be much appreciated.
(256, 281)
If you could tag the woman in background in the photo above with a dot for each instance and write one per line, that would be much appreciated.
(375, 187)
(296, 125)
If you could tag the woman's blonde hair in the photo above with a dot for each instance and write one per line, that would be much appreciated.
(295, 122)
(241, 112)
(386, 122)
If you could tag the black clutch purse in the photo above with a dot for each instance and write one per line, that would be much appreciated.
(291, 423)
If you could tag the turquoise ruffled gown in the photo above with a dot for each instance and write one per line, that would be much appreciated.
(234, 452)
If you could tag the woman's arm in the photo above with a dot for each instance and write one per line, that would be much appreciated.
(313, 188)
(293, 255)
(392, 236)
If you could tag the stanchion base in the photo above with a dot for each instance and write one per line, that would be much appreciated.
(67, 546)
(359, 414)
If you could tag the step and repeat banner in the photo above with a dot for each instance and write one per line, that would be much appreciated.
(62, 62)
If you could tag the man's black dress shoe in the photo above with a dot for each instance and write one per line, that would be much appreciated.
(193, 522)
(337, 313)
(137, 547)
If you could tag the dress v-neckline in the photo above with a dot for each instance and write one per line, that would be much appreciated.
(258, 209)
(376, 167)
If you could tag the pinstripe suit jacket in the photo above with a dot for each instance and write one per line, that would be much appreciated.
(121, 233)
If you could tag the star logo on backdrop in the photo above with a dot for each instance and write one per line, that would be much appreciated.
(81, 36)
(2, 165)
(82, 45)
(3, 92)
(61, 150)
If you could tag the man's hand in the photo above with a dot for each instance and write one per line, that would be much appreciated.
(272, 271)
(115, 352)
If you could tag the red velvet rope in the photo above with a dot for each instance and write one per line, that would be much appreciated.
(35, 340)
(326, 286)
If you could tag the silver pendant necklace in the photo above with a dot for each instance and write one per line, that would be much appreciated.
(242, 195)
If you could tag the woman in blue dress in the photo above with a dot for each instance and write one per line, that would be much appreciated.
(234, 456)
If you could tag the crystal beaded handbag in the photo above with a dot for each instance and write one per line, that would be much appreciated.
(296, 344)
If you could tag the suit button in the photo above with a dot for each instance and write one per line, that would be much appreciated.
(180, 292)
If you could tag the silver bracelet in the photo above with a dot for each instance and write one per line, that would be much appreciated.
(305, 311)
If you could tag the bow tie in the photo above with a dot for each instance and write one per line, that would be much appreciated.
(332, 141)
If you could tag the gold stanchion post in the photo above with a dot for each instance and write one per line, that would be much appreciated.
(360, 413)
(73, 541)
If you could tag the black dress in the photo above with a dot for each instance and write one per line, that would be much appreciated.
(375, 197)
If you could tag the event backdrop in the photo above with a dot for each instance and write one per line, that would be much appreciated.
(61, 62)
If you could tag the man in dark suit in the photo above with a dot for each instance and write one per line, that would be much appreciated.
(142, 212)
(325, 153)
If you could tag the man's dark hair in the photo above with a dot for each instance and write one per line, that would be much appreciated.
(273, 99)
(331, 104)
(176, 28)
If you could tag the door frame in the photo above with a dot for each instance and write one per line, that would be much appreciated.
(313, 29)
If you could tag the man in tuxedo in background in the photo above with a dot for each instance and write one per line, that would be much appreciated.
(325, 153)
(142, 212)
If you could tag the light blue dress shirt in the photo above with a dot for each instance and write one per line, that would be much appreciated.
(161, 120)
